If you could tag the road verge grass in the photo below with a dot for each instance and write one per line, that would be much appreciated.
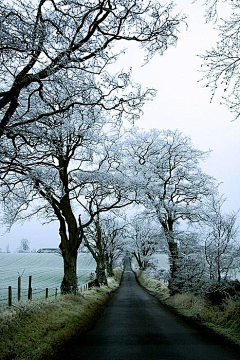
(158, 288)
(38, 330)
(224, 320)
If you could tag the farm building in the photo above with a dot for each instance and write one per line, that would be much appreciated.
(49, 250)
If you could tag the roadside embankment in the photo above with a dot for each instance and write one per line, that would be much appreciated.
(37, 330)
(224, 320)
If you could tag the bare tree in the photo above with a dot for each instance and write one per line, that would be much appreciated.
(221, 64)
(24, 247)
(69, 174)
(191, 262)
(46, 44)
(55, 96)
(114, 229)
(143, 239)
(93, 240)
(103, 238)
(221, 245)
(172, 182)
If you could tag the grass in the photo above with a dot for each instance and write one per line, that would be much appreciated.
(46, 270)
(152, 285)
(223, 320)
(38, 330)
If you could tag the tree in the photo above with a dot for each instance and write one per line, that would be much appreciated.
(143, 239)
(114, 229)
(103, 238)
(221, 64)
(191, 263)
(93, 240)
(46, 45)
(221, 245)
(24, 247)
(68, 173)
(55, 97)
(172, 183)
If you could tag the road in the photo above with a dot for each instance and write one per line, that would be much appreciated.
(136, 326)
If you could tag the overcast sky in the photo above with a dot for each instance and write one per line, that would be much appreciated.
(181, 103)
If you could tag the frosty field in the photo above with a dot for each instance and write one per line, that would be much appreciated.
(46, 270)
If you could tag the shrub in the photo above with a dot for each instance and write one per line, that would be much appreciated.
(218, 293)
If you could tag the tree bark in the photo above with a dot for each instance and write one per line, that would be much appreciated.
(173, 256)
(173, 260)
(69, 282)
(100, 272)
(109, 267)
(139, 260)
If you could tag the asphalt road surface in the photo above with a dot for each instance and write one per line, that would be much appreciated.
(135, 326)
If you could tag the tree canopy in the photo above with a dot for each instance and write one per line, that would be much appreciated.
(52, 50)
(221, 64)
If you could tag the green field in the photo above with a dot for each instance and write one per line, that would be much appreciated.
(46, 270)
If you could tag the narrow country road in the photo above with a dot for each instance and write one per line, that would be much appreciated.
(135, 325)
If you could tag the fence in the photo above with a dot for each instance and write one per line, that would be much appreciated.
(16, 294)
(46, 271)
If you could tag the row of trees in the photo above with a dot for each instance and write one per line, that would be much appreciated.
(157, 170)
(68, 153)
(61, 110)
(208, 251)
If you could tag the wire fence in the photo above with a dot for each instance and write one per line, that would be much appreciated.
(37, 276)
(10, 295)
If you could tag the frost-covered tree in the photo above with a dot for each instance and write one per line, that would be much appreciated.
(191, 263)
(114, 229)
(93, 240)
(68, 173)
(46, 44)
(104, 239)
(56, 96)
(143, 239)
(24, 247)
(221, 241)
(172, 183)
(221, 64)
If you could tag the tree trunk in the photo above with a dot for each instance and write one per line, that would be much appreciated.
(69, 282)
(100, 273)
(219, 273)
(139, 260)
(173, 260)
(109, 266)
(173, 257)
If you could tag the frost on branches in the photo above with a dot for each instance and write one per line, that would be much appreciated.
(61, 110)
(46, 45)
(172, 185)
(221, 64)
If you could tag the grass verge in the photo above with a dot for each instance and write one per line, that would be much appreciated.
(157, 287)
(223, 320)
(38, 330)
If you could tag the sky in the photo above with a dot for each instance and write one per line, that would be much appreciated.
(181, 103)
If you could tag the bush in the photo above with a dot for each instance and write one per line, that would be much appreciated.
(224, 320)
(218, 293)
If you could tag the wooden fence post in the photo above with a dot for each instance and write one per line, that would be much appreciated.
(9, 296)
(30, 288)
(19, 288)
